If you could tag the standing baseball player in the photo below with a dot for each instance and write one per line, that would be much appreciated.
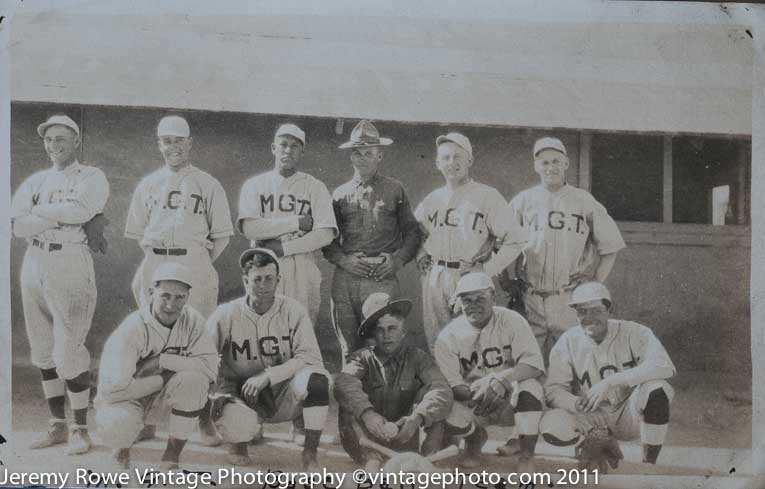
(290, 213)
(58, 288)
(378, 234)
(158, 361)
(607, 373)
(491, 360)
(465, 223)
(180, 214)
(391, 390)
(271, 368)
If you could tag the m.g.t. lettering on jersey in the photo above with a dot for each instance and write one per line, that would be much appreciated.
(558, 220)
(175, 201)
(268, 346)
(490, 357)
(454, 218)
(285, 203)
(585, 378)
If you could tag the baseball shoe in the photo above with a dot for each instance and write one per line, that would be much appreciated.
(237, 454)
(310, 464)
(79, 440)
(121, 458)
(471, 456)
(148, 432)
(511, 448)
(208, 434)
(57, 434)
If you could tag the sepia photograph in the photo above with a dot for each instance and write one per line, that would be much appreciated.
(366, 244)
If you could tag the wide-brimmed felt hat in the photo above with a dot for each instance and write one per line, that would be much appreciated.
(376, 306)
(365, 135)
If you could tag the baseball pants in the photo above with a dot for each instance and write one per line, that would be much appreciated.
(438, 304)
(349, 292)
(240, 423)
(549, 316)
(58, 292)
(301, 280)
(184, 395)
(203, 296)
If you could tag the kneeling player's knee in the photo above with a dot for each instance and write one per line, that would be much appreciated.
(317, 391)
(189, 390)
(237, 423)
(118, 426)
(527, 402)
(656, 409)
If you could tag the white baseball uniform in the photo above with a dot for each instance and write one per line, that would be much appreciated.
(567, 231)
(175, 215)
(465, 354)
(629, 350)
(58, 287)
(458, 223)
(276, 203)
(185, 348)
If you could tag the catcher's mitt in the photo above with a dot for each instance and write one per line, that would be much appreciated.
(599, 450)
(94, 230)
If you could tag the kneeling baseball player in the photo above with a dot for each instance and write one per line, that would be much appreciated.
(619, 369)
(159, 359)
(391, 390)
(271, 365)
(491, 360)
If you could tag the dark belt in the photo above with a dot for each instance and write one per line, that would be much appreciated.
(546, 293)
(449, 264)
(47, 246)
(169, 251)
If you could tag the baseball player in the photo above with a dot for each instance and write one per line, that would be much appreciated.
(464, 221)
(271, 369)
(158, 361)
(378, 234)
(491, 360)
(391, 390)
(179, 213)
(58, 288)
(290, 212)
(609, 372)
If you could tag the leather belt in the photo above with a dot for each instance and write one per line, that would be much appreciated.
(47, 246)
(449, 264)
(546, 293)
(169, 251)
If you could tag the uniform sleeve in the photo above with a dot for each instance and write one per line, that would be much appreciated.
(24, 223)
(202, 354)
(410, 230)
(21, 203)
(324, 223)
(219, 215)
(349, 388)
(305, 350)
(333, 252)
(525, 347)
(560, 377)
(119, 359)
(448, 360)
(511, 237)
(606, 235)
(87, 200)
(653, 360)
(138, 214)
(259, 227)
(438, 398)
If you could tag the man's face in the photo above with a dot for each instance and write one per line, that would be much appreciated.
(389, 333)
(175, 150)
(453, 162)
(478, 306)
(287, 151)
(551, 166)
(61, 144)
(260, 283)
(167, 300)
(366, 160)
(593, 317)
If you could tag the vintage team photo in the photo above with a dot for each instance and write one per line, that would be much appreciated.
(389, 243)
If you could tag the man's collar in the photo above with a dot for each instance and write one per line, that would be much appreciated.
(358, 181)
(396, 355)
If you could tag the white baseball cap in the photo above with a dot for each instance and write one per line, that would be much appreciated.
(172, 271)
(473, 281)
(58, 120)
(549, 143)
(459, 139)
(249, 254)
(173, 125)
(589, 291)
(291, 130)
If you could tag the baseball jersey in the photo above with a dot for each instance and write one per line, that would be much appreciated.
(282, 201)
(178, 210)
(71, 196)
(465, 353)
(280, 342)
(577, 362)
(566, 230)
(184, 346)
(459, 222)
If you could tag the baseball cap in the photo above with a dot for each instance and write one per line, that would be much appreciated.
(173, 125)
(248, 255)
(291, 130)
(58, 120)
(377, 305)
(459, 139)
(549, 143)
(172, 271)
(589, 291)
(473, 281)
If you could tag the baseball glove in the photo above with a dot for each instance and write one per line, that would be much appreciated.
(599, 450)
(490, 396)
(94, 230)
